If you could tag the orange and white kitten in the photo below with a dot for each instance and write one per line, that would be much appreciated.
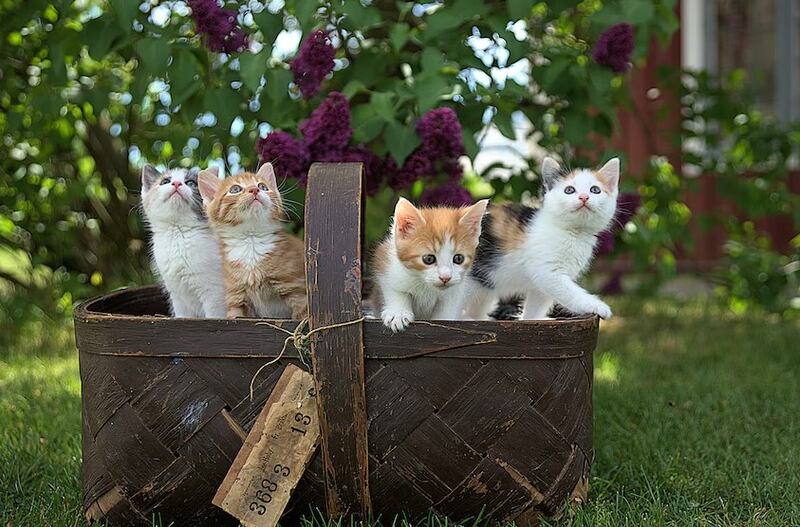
(421, 266)
(263, 265)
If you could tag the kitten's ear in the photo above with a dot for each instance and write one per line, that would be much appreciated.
(551, 172)
(406, 218)
(267, 173)
(208, 182)
(609, 174)
(473, 216)
(150, 175)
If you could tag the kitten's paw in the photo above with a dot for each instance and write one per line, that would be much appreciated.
(397, 320)
(601, 309)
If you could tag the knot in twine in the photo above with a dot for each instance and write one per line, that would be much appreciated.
(299, 339)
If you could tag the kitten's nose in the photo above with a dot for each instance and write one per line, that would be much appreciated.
(177, 184)
(253, 191)
(444, 279)
(584, 198)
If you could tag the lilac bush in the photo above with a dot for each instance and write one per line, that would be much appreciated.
(218, 25)
(314, 61)
(615, 47)
(288, 155)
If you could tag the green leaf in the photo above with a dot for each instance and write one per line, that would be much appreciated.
(553, 73)
(225, 103)
(577, 125)
(502, 119)
(470, 144)
(353, 87)
(101, 34)
(270, 24)
(58, 70)
(366, 124)
(153, 54)
(431, 60)
(637, 12)
(398, 36)
(305, 11)
(429, 87)
(358, 16)
(401, 140)
(125, 11)
(382, 105)
(184, 76)
(519, 8)
(252, 67)
(277, 87)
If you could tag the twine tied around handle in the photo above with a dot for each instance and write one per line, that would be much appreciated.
(300, 341)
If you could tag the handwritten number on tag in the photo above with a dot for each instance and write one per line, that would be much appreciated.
(280, 469)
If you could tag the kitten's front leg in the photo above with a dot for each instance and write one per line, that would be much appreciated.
(478, 303)
(537, 305)
(214, 306)
(563, 290)
(451, 305)
(398, 311)
(180, 307)
(236, 303)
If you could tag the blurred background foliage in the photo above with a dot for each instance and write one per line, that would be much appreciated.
(90, 90)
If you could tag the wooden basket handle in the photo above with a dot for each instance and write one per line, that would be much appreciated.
(333, 275)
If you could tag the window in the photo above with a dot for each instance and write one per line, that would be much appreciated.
(759, 36)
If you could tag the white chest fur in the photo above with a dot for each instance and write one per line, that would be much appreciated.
(248, 248)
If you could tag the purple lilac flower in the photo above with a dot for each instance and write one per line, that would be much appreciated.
(440, 132)
(441, 145)
(416, 166)
(287, 154)
(327, 131)
(614, 47)
(313, 62)
(627, 205)
(222, 34)
(375, 172)
(451, 194)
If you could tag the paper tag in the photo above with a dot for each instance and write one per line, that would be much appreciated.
(275, 454)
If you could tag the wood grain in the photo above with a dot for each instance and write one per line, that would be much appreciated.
(333, 271)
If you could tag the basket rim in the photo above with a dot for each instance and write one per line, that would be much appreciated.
(103, 333)
(83, 312)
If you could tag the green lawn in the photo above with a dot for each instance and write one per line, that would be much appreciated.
(696, 422)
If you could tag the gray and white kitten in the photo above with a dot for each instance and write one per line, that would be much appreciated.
(186, 255)
(540, 253)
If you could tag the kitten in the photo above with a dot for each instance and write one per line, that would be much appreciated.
(421, 266)
(185, 252)
(539, 253)
(264, 266)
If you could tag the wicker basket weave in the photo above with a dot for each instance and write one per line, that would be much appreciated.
(464, 418)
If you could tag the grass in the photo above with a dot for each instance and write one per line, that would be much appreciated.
(695, 422)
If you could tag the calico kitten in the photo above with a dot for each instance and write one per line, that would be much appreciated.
(185, 252)
(541, 252)
(421, 266)
(264, 266)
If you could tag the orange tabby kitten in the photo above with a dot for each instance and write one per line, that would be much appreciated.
(421, 267)
(264, 267)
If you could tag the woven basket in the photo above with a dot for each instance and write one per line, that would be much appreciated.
(461, 418)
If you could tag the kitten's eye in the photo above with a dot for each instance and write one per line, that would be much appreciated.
(235, 189)
(191, 183)
(458, 259)
(569, 189)
(429, 259)
(262, 186)
(165, 181)
(595, 189)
